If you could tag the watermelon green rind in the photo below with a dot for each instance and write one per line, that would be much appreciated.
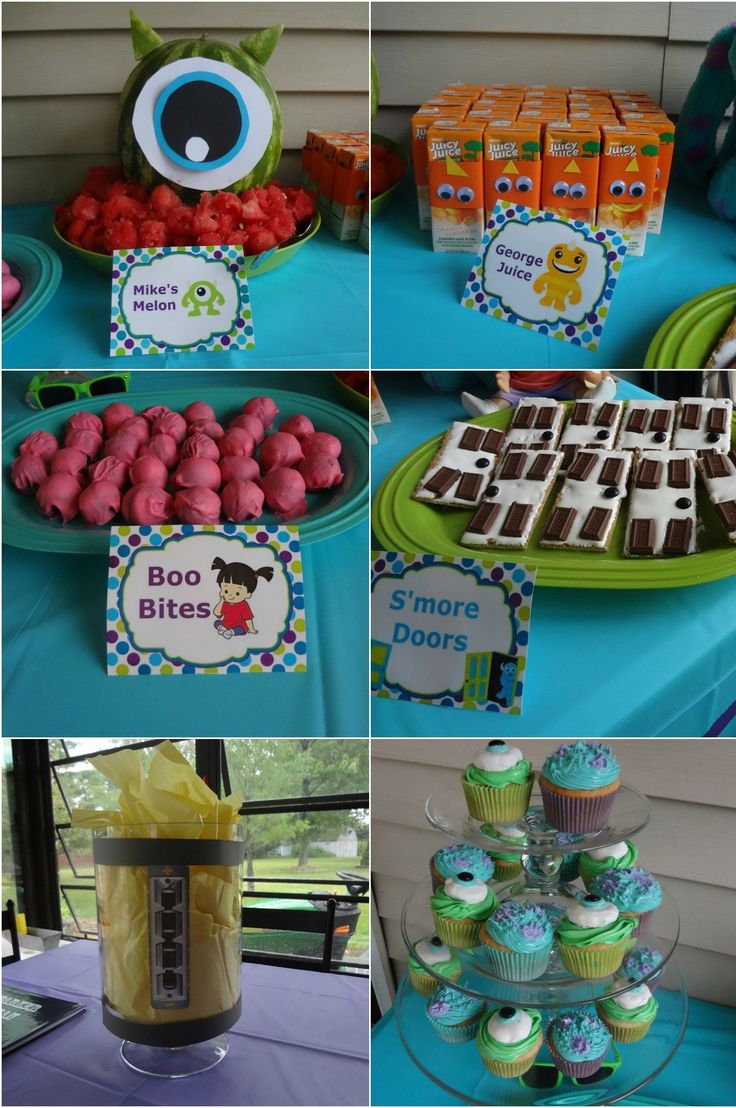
(375, 89)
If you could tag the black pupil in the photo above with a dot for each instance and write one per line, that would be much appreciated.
(507, 1013)
(496, 742)
(436, 941)
(465, 876)
(503, 187)
(202, 110)
(201, 291)
(591, 899)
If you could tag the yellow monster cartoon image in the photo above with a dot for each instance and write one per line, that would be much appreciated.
(565, 262)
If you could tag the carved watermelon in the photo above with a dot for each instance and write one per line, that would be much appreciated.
(375, 89)
(199, 114)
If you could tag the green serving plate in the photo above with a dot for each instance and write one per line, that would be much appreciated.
(354, 399)
(687, 337)
(378, 203)
(38, 268)
(328, 513)
(253, 267)
(403, 524)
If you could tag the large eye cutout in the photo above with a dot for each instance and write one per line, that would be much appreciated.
(560, 189)
(577, 191)
(445, 191)
(202, 123)
(524, 184)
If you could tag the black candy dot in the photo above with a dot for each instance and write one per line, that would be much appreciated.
(435, 941)
(491, 491)
(483, 463)
(603, 435)
(683, 502)
(465, 876)
(712, 436)
(507, 1013)
(591, 898)
(495, 742)
(659, 436)
(611, 492)
(547, 435)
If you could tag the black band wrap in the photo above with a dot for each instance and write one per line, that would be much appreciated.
(162, 852)
(181, 1033)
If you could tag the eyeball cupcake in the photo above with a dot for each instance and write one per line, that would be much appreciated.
(579, 783)
(641, 962)
(506, 865)
(629, 1015)
(454, 1015)
(592, 937)
(460, 858)
(434, 953)
(498, 783)
(578, 1042)
(518, 940)
(635, 893)
(510, 1039)
(459, 908)
(616, 856)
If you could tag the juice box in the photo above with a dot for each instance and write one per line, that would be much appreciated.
(454, 102)
(629, 157)
(461, 88)
(560, 90)
(420, 121)
(512, 163)
(544, 115)
(315, 162)
(490, 113)
(350, 192)
(455, 152)
(327, 174)
(570, 165)
(594, 116)
(664, 129)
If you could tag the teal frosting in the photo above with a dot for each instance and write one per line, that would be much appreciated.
(450, 1006)
(461, 858)
(582, 765)
(631, 890)
(641, 962)
(521, 926)
(579, 1035)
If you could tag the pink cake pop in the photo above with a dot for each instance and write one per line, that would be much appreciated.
(320, 471)
(237, 441)
(170, 423)
(11, 286)
(149, 470)
(197, 472)
(197, 505)
(154, 412)
(264, 408)
(209, 427)
(200, 446)
(148, 504)
(58, 497)
(85, 421)
(41, 443)
(122, 445)
(298, 426)
(251, 424)
(115, 414)
(322, 441)
(109, 469)
(138, 427)
(280, 450)
(99, 502)
(242, 500)
(28, 471)
(89, 442)
(236, 467)
(284, 491)
(198, 410)
(163, 447)
(69, 460)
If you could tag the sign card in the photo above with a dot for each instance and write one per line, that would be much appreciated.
(205, 599)
(450, 631)
(546, 273)
(181, 298)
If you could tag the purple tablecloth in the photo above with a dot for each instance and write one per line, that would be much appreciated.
(302, 1039)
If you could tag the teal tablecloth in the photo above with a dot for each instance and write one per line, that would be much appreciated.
(312, 313)
(54, 678)
(418, 321)
(608, 663)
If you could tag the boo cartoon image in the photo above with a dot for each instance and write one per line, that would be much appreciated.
(237, 583)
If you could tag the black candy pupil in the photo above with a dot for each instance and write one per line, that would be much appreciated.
(201, 109)
(591, 899)
(436, 941)
(507, 1013)
(495, 742)
(465, 876)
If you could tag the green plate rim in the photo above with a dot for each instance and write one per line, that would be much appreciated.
(710, 298)
(51, 267)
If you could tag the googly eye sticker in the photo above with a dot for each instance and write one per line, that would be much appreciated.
(445, 192)
(465, 195)
(202, 123)
(577, 191)
(524, 184)
(637, 189)
(560, 189)
(502, 184)
(617, 188)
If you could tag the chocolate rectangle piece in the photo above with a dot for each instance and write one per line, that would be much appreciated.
(661, 419)
(677, 537)
(513, 465)
(472, 438)
(540, 467)
(582, 465)
(606, 415)
(469, 486)
(515, 521)
(727, 514)
(648, 474)
(524, 417)
(717, 420)
(595, 524)
(678, 473)
(545, 417)
(715, 464)
(481, 522)
(569, 451)
(611, 471)
(492, 441)
(641, 536)
(690, 417)
(732, 456)
(581, 413)
(638, 420)
(559, 523)
(442, 481)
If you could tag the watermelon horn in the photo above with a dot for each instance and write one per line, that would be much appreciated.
(262, 44)
(144, 37)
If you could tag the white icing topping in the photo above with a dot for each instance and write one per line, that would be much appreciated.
(585, 434)
(697, 438)
(430, 954)
(631, 440)
(634, 998)
(586, 915)
(720, 489)
(528, 435)
(511, 1030)
(471, 892)
(451, 455)
(588, 494)
(616, 850)
(724, 355)
(519, 491)
(509, 830)
(659, 504)
(497, 759)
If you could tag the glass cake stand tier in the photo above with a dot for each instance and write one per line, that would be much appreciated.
(447, 811)
(556, 987)
(457, 1067)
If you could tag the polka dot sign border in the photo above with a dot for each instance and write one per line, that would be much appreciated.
(586, 334)
(518, 584)
(123, 657)
(241, 337)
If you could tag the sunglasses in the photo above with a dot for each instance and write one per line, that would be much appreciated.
(545, 1075)
(47, 390)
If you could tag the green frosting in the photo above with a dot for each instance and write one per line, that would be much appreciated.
(593, 866)
(445, 905)
(507, 1052)
(644, 1014)
(444, 969)
(516, 775)
(515, 859)
(572, 934)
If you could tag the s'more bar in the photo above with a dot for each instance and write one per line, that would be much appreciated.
(718, 472)
(662, 506)
(592, 424)
(512, 505)
(647, 425)
(536, 425)
(461, 469)
(584, 514)
(703, 424)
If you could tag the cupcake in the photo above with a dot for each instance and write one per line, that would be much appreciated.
(517, 937)
(569, 867)
(592, 937)
(509, 1040)
(635, 893)
(629, 1015)
(506, 865)
(641, 962)
(459, 908)
(454, 1015)
(498, 783)
(579, 783)
(617, 856)
(578, 1042)
(432, 952)
(460, 858)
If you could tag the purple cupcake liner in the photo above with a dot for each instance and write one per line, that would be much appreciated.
(585, 1068)
(514, 966)
(577, 814)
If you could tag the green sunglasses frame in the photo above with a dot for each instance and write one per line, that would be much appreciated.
(581, 1082)
(41, 381)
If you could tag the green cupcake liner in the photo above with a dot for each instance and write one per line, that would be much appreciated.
(513, 1068)
(425, 984)
(590, 962)
(460, 1033)
(463, 934)
(498, 805)
(504, 871)
(624, 1032)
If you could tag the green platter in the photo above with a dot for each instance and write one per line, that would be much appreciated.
(403, 524)
(329, 512)
(687, 337)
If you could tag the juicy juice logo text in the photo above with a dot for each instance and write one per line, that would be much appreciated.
(447, 148)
